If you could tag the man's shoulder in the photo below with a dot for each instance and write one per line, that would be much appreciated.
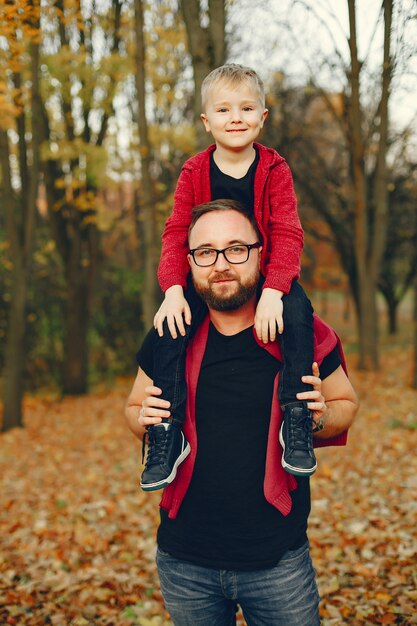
(144, 356)
(325, 340)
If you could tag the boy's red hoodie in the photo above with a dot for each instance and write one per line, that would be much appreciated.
(275, 210)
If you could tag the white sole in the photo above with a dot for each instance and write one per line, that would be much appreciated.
(163, 483)
(296, 471)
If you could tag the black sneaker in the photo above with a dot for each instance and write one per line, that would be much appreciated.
(296, 439)
(167, 448)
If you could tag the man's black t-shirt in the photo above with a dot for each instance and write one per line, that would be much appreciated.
(224, 521)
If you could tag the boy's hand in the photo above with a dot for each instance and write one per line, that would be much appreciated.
(315, 399)
(173, 308)
(269, 315)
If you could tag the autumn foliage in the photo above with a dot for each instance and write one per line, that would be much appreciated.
(77, 536)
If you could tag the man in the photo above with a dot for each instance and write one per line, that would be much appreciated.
(233, 523)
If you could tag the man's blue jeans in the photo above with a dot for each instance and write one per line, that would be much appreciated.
(284, 595)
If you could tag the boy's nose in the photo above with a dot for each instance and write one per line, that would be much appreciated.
(235, 115)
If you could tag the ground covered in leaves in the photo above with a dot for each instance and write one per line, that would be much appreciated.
(77, 536)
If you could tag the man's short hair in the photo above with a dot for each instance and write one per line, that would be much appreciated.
(234, 74)
(223, 205)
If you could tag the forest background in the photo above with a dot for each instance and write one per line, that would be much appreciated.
(99, 108)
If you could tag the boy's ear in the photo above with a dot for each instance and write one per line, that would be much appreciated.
(264, 116)
(205, 122)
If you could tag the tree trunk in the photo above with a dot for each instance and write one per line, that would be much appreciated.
(368, 326)
(379, 235)
(81, 263)
(147, 211)
(346, 308)
(365, 295)
(207, 47)
(369, 243)
(74, 223)
(414, 379)
(392, 309)
(78, 244)
(14, 356)
(75, 367)
(20, 216)
(392, 304)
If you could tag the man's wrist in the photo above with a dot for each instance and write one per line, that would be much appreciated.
(319, 425)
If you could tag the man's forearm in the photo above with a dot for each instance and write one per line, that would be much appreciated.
(132, 416)
(338, 418)
(134, 403)
(341, 402)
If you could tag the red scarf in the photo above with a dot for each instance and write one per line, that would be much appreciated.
(277, 483)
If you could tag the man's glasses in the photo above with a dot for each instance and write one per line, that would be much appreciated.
(239, 253)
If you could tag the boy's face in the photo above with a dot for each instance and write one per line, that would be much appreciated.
(234, 114)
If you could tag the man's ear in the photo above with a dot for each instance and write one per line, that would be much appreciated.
(205, 122)
(189, 259)
(259, 256)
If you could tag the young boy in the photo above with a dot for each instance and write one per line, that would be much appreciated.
(237, 168)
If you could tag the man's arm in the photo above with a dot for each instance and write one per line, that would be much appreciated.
(334, 399)
(144, 407)
(342, 404)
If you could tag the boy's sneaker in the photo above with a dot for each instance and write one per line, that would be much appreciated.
(296, 439)
(167, 448)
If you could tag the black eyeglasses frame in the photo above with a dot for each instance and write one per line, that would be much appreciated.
(248, 246)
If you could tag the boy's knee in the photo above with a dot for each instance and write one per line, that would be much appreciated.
(297, 311)
(296, 304)
(167, 340)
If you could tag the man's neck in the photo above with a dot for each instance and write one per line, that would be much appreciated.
(233, 322)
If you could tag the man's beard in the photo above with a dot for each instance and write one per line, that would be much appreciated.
(229, 301)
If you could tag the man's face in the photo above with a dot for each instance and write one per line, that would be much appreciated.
(225, 286)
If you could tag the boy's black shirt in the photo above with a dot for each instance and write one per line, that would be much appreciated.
(225, 521)
(227, 187)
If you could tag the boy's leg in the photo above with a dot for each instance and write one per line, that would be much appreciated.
(167, 446)
(297, 346)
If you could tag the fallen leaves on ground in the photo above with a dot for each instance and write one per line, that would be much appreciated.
(77, 536)
(363, 525)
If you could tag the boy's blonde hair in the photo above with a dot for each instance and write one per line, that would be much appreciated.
(234, 74)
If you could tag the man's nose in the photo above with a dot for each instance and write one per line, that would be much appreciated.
(221, 262)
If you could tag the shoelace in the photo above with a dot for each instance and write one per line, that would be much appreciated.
(158, 441)
(300, 431)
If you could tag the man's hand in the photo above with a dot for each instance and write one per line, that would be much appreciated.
(153, 408)
(268, 315)
(315, 399)
(175, 309)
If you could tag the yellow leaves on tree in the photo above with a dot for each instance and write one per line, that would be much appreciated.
(18, 30)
